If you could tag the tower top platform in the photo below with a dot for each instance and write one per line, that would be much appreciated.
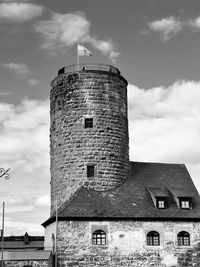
(90, 67)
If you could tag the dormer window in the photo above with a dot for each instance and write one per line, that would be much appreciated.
(185, 203)
(160, 203)
(159, 196)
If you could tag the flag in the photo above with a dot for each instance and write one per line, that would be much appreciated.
(83, 51)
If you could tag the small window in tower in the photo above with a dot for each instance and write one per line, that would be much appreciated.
(89, 123)
(90, 171)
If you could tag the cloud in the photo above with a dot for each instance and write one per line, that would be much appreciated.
(18, 68)
(195, 24)
(22, 71)
(33, 82)
(167, 27)
(164, 124)
(43, 201)
(19, 12)
(24, 142)
(5, 93)
(63, 31)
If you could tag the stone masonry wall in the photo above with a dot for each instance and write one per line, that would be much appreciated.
(100, 95)
(126, 244)
(22, 263)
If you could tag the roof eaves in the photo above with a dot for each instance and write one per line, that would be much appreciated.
(52, 218)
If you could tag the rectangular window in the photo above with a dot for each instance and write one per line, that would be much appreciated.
(90, 171)
(89, 123)
(185, 203)
(153, 241)
(161, 203)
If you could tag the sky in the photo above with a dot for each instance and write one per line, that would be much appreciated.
(156, 46)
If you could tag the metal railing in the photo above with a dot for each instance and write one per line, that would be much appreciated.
(88, 66)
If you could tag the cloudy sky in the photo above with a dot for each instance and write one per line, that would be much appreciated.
(156, 46)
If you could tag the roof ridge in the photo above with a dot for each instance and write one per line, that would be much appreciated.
(160, 163)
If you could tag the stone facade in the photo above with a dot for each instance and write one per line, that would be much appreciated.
(102, 96)
(126, 244)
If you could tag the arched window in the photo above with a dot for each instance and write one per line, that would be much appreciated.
(183, 238)
(153, 238)
(99, 237)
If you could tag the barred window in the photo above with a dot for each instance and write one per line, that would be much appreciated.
(183, 238)
(153, 238)
(99, 237)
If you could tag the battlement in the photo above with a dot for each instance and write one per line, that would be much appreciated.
(88, 66)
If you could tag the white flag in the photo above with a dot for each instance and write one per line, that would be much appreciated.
(83, 51)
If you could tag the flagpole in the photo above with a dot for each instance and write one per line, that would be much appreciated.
(2, 235)
(77, 58)
(56, 244)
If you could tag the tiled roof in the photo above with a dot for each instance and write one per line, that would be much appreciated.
(20, 244)
(26, 255)
(132, 199)
(21, 238)
(157, 191)
(24, 242)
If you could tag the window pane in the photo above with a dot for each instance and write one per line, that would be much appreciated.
(185, 204)
(161, 204)
(153, 239)
(99, 238)
(183, 239)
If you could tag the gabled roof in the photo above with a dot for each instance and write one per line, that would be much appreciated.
(180, 192)
(157, 191)
(132, 199)
(8, 245)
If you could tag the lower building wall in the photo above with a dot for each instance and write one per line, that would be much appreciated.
(126, 244)
(26, 263)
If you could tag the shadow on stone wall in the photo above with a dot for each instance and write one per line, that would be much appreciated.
(190, 258)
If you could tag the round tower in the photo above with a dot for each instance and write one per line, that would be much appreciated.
(89, 142)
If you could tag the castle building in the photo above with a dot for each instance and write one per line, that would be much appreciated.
(105, 209)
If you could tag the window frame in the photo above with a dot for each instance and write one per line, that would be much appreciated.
(183, 238)
(183, 201)
(99, 238)
(161, 199)
(153, 238)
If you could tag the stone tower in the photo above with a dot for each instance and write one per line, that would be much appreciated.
(89, 141)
